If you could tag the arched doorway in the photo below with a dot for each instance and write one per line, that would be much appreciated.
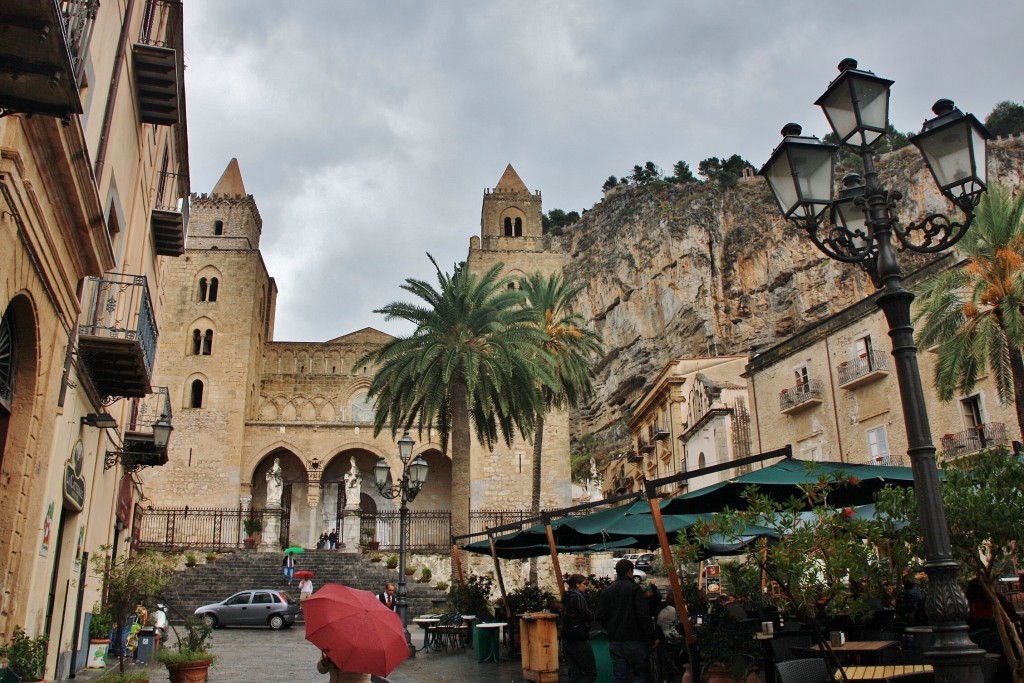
(293, 493)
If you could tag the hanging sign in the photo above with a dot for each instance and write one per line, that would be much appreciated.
(713, 581)
(74, 482)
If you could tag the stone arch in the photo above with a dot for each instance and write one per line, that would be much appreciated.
(270, 409)
(188, 395)
(436, 494)
(17, 428)
(307, 411)
(289, 411)
(270, 361)
(512, 220)
(302, 363)
(256, 469)
(287, 366)
(207, 283)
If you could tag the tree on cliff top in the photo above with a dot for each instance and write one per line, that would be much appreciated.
(724, 171)
(1006, 118)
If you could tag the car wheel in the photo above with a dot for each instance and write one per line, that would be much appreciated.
(638, 579)
(276, 622)
(210, 620)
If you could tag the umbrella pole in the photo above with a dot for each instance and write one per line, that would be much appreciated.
(554, 557)
(682, 613)
(458, 565)
(501, 580)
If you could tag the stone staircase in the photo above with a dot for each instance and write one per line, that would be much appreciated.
(243, 570)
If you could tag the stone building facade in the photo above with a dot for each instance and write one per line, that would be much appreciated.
(243, 400)
(93, 172)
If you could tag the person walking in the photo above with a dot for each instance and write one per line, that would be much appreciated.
(288, 567)
(332, 539)
(624, 614)
(576, 622)
(388, 597)
(305, 589)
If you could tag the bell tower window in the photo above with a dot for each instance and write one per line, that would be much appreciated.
(218, 227)
(196, 394)
(202, 289)
(208, 343)
(213, 289)
(519, 228)
(508, 227)
(196, 342)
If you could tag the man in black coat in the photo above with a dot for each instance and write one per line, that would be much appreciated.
(388, 597)
(625, 615)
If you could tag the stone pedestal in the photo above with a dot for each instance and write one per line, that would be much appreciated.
(270, 540)
(350, 531)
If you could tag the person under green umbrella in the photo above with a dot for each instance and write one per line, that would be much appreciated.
(288, 565)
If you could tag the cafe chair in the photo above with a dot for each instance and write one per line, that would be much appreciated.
(782, 646)
(802, 671)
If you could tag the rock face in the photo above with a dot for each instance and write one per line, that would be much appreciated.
(699, 269)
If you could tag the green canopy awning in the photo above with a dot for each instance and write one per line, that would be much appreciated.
(782, 480)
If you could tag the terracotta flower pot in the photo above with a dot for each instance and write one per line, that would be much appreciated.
(189, 672)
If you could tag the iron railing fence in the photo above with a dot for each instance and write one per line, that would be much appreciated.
(194, 528)
(429, 530)
(118, 306)
(795, 395)
(855, 368)
(970, 441)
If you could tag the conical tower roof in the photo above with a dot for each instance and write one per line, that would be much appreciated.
(511, 182)
(230, 182)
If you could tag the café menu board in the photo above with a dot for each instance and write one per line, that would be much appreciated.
(713, 581)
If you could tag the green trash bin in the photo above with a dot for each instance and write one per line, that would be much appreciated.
(486, 643)
(602, 656)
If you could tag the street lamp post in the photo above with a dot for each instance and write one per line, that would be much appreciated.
(414, 475)
(863, 224)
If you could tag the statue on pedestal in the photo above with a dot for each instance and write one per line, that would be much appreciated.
(275, 484)
(353, 485)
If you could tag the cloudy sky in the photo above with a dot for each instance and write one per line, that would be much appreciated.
(368, 130)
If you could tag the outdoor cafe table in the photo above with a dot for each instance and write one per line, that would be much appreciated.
(487, 641)
(887, 672)
(427, 624)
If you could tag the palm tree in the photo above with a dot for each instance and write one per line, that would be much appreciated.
(975, 313)
(570, 349)
(568, 346)
(470, 364)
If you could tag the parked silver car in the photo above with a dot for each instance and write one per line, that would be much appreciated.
(259, 607)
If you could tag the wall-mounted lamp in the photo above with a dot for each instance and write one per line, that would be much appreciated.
(100, 420)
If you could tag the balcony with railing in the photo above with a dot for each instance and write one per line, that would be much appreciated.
(864, 369)
(644, 446)
(157, 64)
(42, 49)
(971, 441)
(657, 432)
(117, 335)
(887, 461)
(801, 397)
(168, 219)
(142, 446)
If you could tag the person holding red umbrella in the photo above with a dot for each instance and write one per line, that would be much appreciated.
(305, 585)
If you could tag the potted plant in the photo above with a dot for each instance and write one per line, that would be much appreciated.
(191, 661)
(127, 582)
(376, 557)
(441, 585)
(190, 559)
(252, 527)
(25, 656)
(425, 575)
(392, 561)
(410, 571)
(211, 557)
(99, 637)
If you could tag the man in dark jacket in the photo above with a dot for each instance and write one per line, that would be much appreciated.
(624, 614)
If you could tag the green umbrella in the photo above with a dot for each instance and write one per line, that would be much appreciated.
(782, 480)
(295, 550)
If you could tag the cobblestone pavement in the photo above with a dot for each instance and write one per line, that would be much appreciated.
(261, 655)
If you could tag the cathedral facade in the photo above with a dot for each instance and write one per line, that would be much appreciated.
(243, 400)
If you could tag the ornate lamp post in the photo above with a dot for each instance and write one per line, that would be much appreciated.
(414, 475)
(863, 224)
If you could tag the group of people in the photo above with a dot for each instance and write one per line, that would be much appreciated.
(636, 619)
(328, 540)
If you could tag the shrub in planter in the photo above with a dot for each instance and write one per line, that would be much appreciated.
(425, 575)
(25, 656)
(410, 571)
(441, 585)
(375, 558)
(190, 559)
(102, 622)
(211, 556)
(392, 561)
(192, 660)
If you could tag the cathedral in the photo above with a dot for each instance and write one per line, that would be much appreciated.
(243, 400)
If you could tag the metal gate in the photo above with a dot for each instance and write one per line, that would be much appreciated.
(286, 513)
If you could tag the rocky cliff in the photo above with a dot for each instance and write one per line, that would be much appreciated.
(699, 269)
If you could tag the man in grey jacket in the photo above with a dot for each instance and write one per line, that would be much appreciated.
(624, 614)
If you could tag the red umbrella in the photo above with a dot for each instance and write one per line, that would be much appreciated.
(355, 629)
(304, 574)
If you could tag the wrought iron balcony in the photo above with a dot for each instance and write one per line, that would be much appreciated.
(157, 63)
(169, 217)
(645, 446)
(141, 446)
(42, 49)
(658, 433)
(800, 397)
(971, 441)
(866, 368)
(887, 461)
(117, 335)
